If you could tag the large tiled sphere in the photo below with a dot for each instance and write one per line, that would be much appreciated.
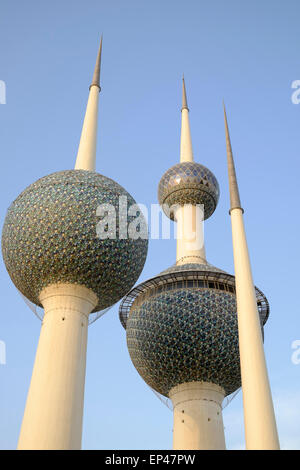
(189, 183)
(49, 236)
(182, 327)
(185, 335)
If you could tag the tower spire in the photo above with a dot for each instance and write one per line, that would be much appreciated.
(186, 149)
(235, 201)
(86, 156)
(184, 99)
(96, 76)
(261, 434)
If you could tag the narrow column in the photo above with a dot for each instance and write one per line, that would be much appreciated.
(190, 234)
(198, 421)
(260, 423)
(54, 408)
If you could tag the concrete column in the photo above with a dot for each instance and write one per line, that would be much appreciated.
(186, 149)
(54, 408)
(190, 234)
(86, 156)
(260, 424)
(198, 421)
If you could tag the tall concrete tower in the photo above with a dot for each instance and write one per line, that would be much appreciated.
(57, 258)
(181, 325)
(260, 423)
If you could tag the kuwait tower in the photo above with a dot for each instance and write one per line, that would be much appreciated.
(182, 325)
(56, 258)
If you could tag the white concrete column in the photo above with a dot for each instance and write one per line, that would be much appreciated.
(186, 149)
(198, 420)
(260, 424)
(54, 408)
(190, 234)
(86, 156)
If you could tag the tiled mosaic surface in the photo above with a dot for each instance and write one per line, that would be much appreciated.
(186, 335)
(49, 236)
(189, 183)
(176, 268)
(262, 302)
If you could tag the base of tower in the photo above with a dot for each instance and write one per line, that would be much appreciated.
(54, 408)
(198, 420)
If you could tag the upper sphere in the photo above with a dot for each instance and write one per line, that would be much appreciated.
(49, 236)
(189, 183)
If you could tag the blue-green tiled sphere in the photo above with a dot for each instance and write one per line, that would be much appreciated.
(49, 236)
(185, 335)
(189, 183)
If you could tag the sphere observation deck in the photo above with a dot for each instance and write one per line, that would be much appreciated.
(49, 236)
(182, 326)
(188, 183)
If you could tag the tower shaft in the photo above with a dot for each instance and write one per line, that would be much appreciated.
(190, 235)
(198, 421)
(54, 408)
(260, 423)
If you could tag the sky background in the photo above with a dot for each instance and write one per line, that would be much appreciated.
(245, 52)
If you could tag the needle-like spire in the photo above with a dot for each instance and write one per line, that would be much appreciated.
(96, 76)
(235, 201)
(186, 149)
(184, 99)
(86, 156)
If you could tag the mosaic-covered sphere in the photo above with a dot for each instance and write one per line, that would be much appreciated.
(189, 183)
(51, 235)
(182, 327)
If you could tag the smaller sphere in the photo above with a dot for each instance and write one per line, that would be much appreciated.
(188, 183)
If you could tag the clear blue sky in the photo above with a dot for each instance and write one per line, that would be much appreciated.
(245, 52)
